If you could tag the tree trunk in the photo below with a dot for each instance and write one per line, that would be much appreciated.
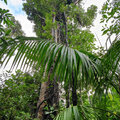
(67, 98)
(74, 90)
(49, 97)
(42, 102)
(66, 30)
(49, 93)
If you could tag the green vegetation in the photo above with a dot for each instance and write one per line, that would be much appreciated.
(68, 81)
(19, 95)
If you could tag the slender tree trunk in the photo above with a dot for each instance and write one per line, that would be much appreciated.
(67, 98)
(53, 29)
(66, 43)
(74, 90)
(66, 30)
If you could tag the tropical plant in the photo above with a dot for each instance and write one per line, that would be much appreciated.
(68, 60)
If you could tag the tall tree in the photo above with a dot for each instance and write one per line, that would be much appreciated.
(54, 20)
(51, 19)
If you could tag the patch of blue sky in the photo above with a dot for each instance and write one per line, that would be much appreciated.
(15, 7)
(16, 10)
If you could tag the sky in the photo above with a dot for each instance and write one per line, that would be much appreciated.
(97, 26)
(15, 7)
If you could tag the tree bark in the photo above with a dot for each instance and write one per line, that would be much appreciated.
(41, 102)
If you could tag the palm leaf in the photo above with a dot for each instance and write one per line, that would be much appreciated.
(78, 113)
(33, 51)
(112, 58)
(84, 113)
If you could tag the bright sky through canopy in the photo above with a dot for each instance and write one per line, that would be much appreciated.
(15, 7)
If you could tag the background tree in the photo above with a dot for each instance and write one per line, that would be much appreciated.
(16, 29)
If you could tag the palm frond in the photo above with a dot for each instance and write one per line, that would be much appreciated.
(85, 113)
(109, 65)
(78, 113)
(112, 58)
(28, 52)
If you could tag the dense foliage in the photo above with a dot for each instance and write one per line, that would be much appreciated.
(18, 96)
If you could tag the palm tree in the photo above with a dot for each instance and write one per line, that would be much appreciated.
(33, 51)
(66, 61)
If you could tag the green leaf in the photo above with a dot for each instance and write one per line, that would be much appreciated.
(5, 1)
(7, 32)
(105, 31)
(104, 16)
